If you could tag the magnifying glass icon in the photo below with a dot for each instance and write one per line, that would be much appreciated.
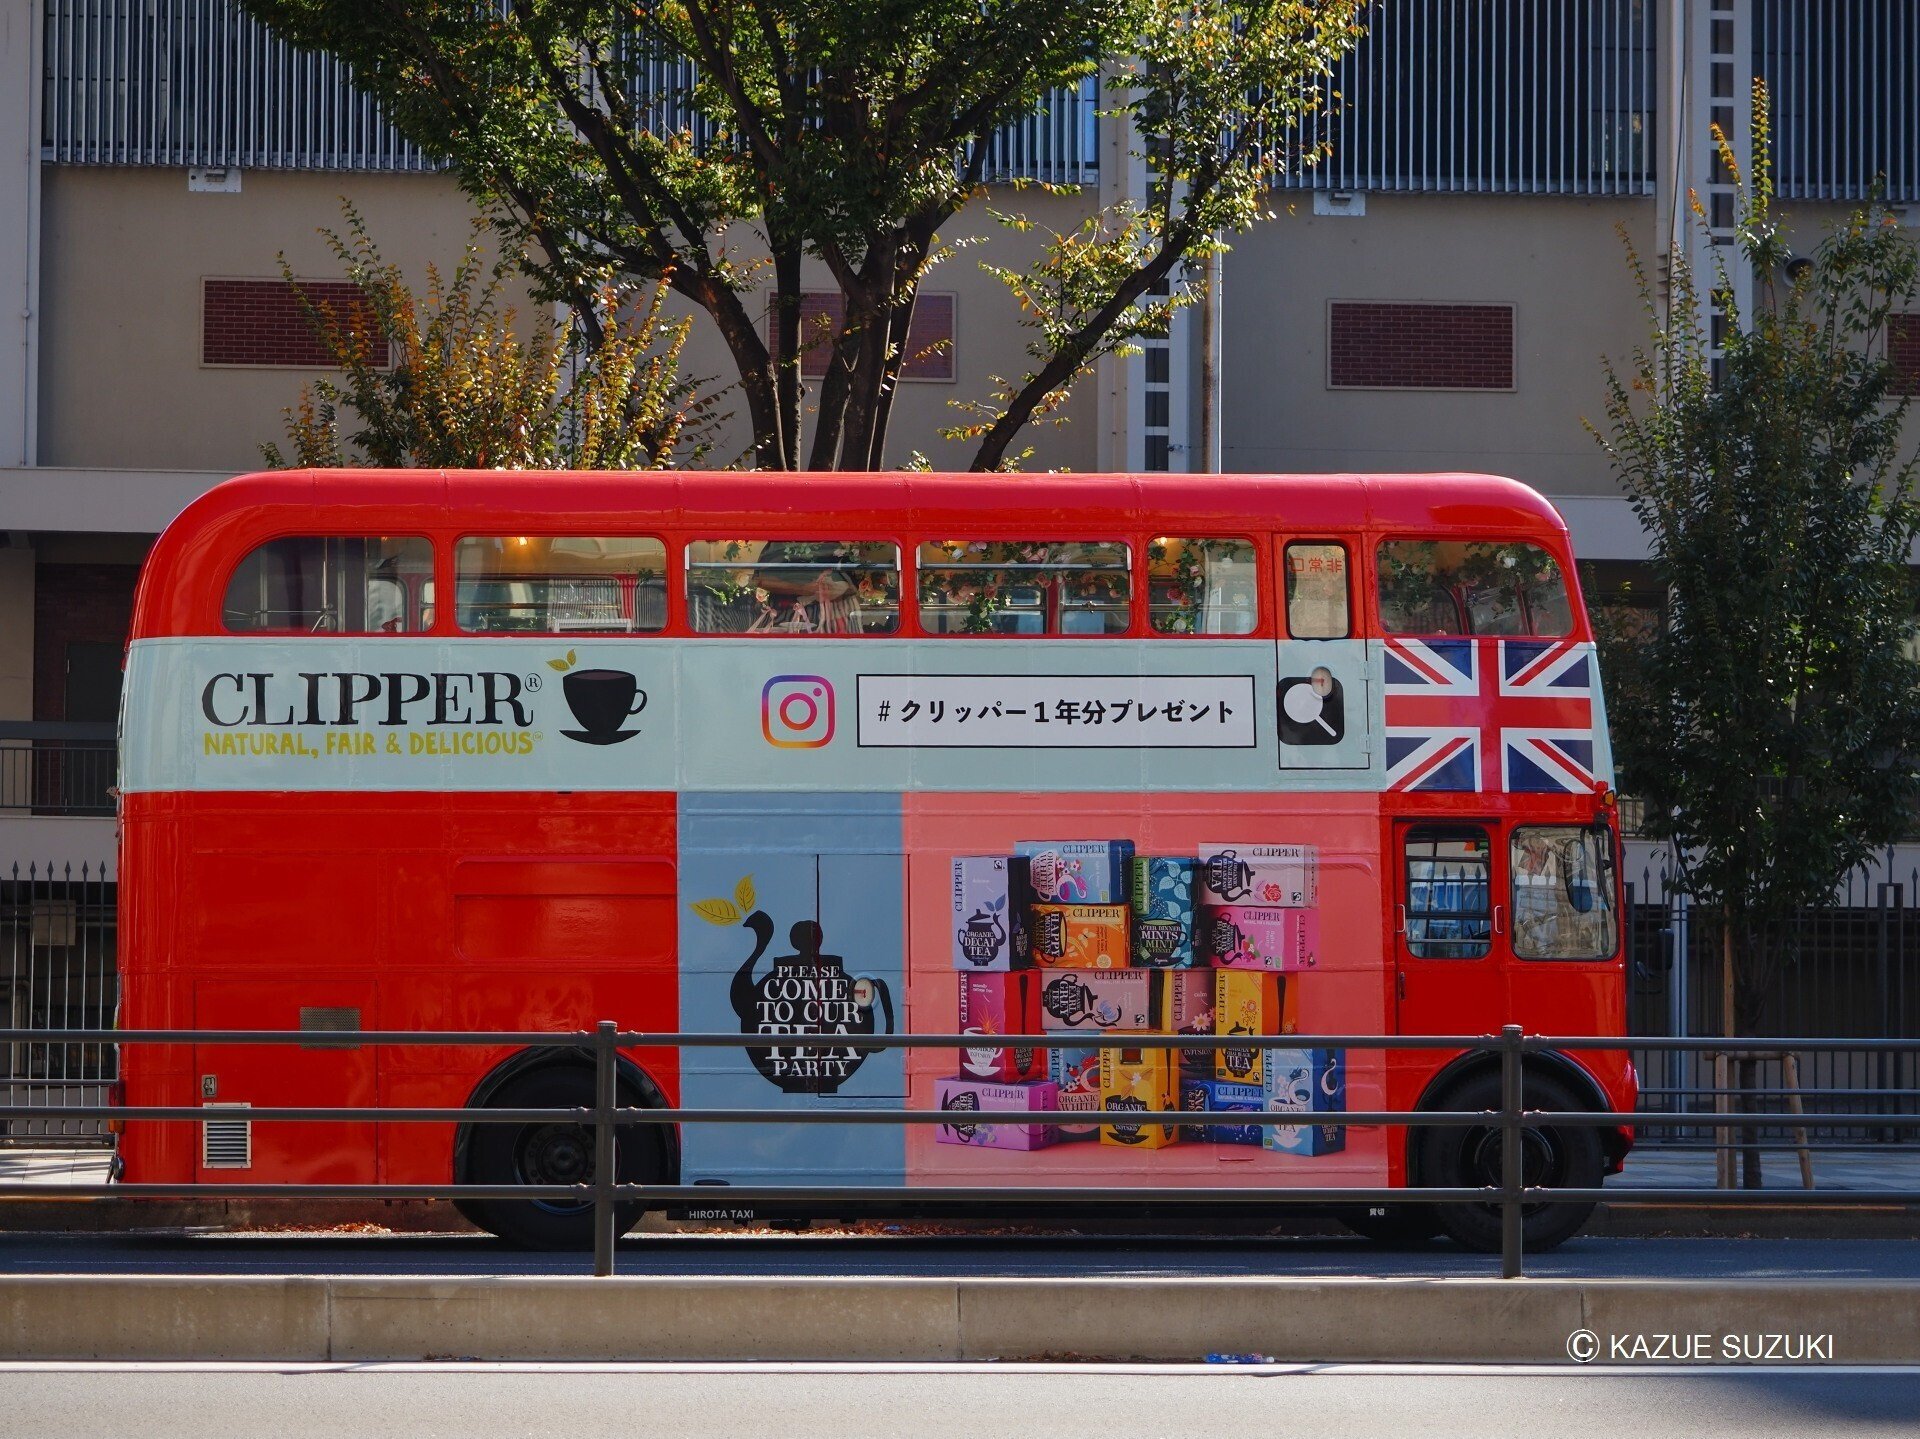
(1304, 705)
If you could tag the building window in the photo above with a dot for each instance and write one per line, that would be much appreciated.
(261, 322)
(930, 342)
(1408, 345)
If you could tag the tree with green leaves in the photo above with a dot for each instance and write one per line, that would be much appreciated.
(850, 134)
(457, 378)
(1770, 719)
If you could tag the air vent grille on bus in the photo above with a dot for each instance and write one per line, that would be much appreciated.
(226, 1143)
(319, 1019)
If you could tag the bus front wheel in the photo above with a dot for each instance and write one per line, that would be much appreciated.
(553, 1152)
(1470, 1156)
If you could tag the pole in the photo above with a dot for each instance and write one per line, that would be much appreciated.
(1512, 1234)
(1211, 448)
(604, 1091)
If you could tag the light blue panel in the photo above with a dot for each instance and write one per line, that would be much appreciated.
(1330, 730)
(781, 956)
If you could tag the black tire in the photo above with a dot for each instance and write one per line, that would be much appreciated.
(1456, 1156)
(554, 1153)
(1393, 1224)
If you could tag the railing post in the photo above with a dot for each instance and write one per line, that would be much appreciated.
(605, 1058)
(1512, 1174)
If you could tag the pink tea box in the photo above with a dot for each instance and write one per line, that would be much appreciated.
(1239, 936)
(1001, 1002)
(972, 1103)
(1099, 999)
(1285, 875)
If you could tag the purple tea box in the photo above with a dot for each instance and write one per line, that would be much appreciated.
(1078, 871)
(1301, 1083)
(1003, 1002)
(1187, 1003)
(990, 901)
(1271, 875)
(1204, 1094)
(1239, 936)
(1099, 999)
(1163, 912)
(968, 1098)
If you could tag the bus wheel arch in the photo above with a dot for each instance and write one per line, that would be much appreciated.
(493, 1153)
(1545, 1064)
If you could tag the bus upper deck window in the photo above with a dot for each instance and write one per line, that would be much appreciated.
(1201, 587)
(560, 584)
(325, 584)
(1025, 587)
(1475, 587)
(789, 587)
(1317, 591)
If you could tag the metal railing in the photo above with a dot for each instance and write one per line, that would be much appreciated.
(57, 768)
(58, 926)
(604, 1192)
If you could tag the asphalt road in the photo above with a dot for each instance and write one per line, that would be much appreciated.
(795, 1402)
(1012, 1255)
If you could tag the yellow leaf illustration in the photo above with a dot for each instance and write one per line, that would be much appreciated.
(716, 911)
(560, 665)
(572, 658)
(743, 893)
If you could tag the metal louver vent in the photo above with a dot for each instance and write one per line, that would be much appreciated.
(321, 1019)
(226, 1143)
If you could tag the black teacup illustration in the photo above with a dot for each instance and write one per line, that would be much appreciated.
(602, 701)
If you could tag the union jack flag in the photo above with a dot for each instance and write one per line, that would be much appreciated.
(1490, 715)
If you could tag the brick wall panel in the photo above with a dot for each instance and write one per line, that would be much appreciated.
(933, 322)
(1406, 345)
(1903, 348)
(261, 322)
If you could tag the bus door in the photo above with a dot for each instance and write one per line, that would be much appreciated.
(1323, 706)
(1450, 922)
(232, 1078)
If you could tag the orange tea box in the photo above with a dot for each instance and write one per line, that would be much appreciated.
(1250, 1001)
(1079, 936)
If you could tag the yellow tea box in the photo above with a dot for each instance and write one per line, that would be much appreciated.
(1138, 1080)
(1250, 1001)
(1080, 936)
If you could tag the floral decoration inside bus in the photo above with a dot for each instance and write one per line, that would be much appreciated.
(1472, 587)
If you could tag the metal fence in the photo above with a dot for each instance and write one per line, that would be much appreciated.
(58, 980)
(1849, 969)
(600, 1188)
(57, 769)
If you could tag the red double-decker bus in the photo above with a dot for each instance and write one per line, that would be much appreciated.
(818, 757)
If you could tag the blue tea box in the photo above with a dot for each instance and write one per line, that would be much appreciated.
(1077, 871)
(1301, 1083)
(1163, 911)
(1076, 1076)
(1204, 1094)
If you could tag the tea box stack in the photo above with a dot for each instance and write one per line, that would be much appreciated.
(1086, 937)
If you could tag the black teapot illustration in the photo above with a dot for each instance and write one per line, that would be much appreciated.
(1239, 1060)
(1229, 876)
(983, 936)
(1126, 1133)
(802, 997)
(962, 1100)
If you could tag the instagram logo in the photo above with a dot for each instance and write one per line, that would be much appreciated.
(796, 711)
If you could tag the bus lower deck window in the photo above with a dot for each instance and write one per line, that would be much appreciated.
(1201, 587)
(793, 587)
(327, 584)
(1472, 587)
(1449, 894)
(1563, 891)
(561, 584)
(1026, 587)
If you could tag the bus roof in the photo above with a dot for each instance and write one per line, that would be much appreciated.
(188, 568)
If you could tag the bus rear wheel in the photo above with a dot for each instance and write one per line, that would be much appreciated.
(1471, 1156)
(553, 1152)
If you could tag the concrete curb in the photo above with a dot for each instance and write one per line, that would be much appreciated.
(320, 1318)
